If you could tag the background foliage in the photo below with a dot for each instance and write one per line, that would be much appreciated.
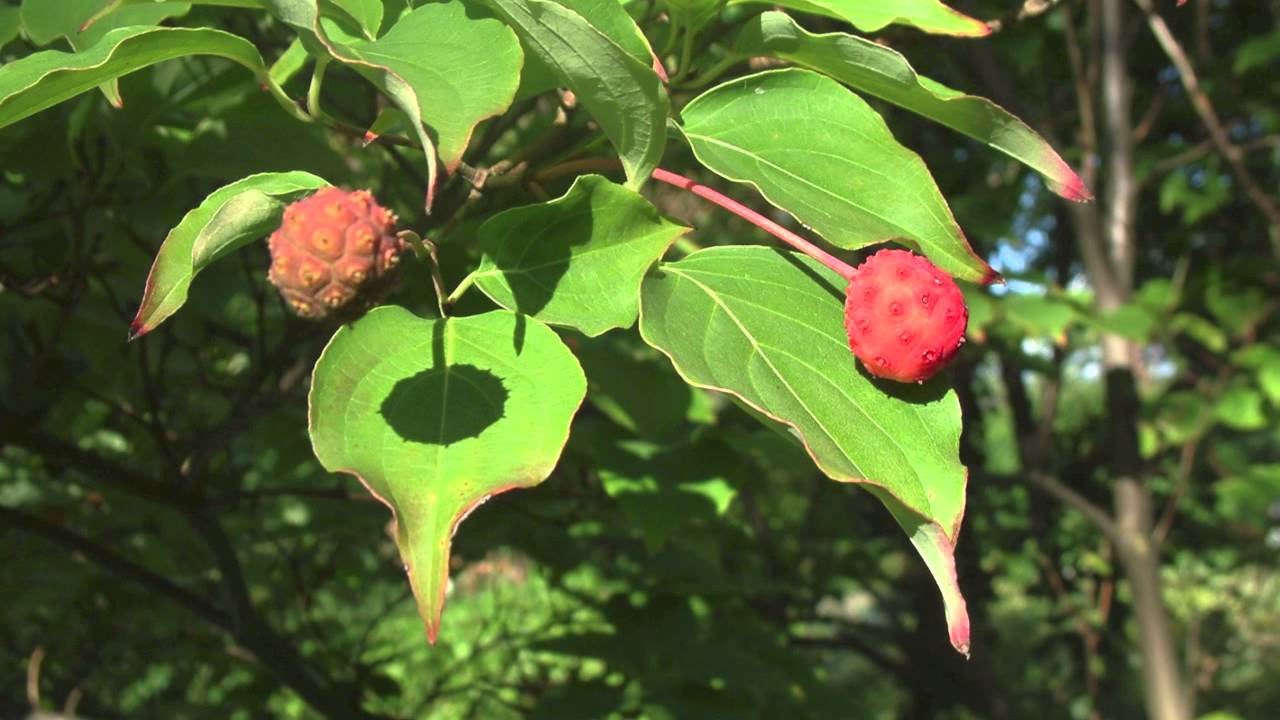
(172, 547)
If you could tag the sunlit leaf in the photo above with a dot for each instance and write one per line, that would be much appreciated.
(44, 79)
(767, 327)
(883, 72)
(437, 416)
(872, 15)
(576, 260)
(621, 92)
(462, 69)
(242, 212)
(304, 16)
(818, 151)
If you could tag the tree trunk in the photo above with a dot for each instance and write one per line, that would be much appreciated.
(1139, 559)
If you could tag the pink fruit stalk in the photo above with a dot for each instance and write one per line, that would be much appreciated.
(332, 250)
(905, 317)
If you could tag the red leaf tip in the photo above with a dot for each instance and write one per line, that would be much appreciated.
(958, 631)
(1075, 190)
(1068, 183)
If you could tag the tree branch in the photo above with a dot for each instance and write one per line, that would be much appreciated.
(92, 464)
(1209, 116)
(118, 565)
(1080, 503)
(330, 698)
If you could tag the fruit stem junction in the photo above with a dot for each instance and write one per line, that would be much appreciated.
(840, 267)
(426, 250)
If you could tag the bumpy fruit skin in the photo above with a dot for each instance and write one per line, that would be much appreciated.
(333, 252)
(905, 317)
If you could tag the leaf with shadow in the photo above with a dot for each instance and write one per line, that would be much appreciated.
(577, 260)
(445, 404)
(436, 416)
(746, 321)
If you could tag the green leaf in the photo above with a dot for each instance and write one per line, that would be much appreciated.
(577, 260)
(1249, 496)
(610, 18)
(436, 416)
(462, 69)
(304, 16)
(1237, 308)
(366, 13)
(1131, 321)
(1241, 408)
(607, 16)
(47, 20)
(1269, 381)
(10, 22)
(818, 151)
(767, 327)
(873, 15)
(44, 79)
(622, 93)
(1182, 417)
(1256, 52)
(290, 63)
(149, 14)
(693, 14)
(1200, 330)
(886, 74)
(231, 217)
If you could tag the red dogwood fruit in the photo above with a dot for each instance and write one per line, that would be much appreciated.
(905, 317)
(332, 250)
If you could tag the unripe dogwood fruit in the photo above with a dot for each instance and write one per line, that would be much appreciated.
(332, 251)
(905, 317)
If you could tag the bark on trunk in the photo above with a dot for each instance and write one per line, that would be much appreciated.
(1139, 559)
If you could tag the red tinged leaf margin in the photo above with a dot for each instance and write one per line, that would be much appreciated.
(766, 327)
(436, 416)
(937, 547)
(874, 69)
(232, 216)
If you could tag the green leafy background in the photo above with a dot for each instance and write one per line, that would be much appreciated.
(175, 543)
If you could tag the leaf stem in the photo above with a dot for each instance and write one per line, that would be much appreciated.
(573, 166)
(686, 55)
(834, 263)
(461, 289)
(708, 76)
(426, 250)
(313, 91)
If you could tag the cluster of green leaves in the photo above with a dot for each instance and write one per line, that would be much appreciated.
(420, 409)
(686, 560)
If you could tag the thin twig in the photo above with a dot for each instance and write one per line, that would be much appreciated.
(1027, 10)
(1209, 116)
(1080, 503)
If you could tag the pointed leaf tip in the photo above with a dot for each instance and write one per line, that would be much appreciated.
(959, 632)
(902, 447)
(435, 416)
(1075, 190)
